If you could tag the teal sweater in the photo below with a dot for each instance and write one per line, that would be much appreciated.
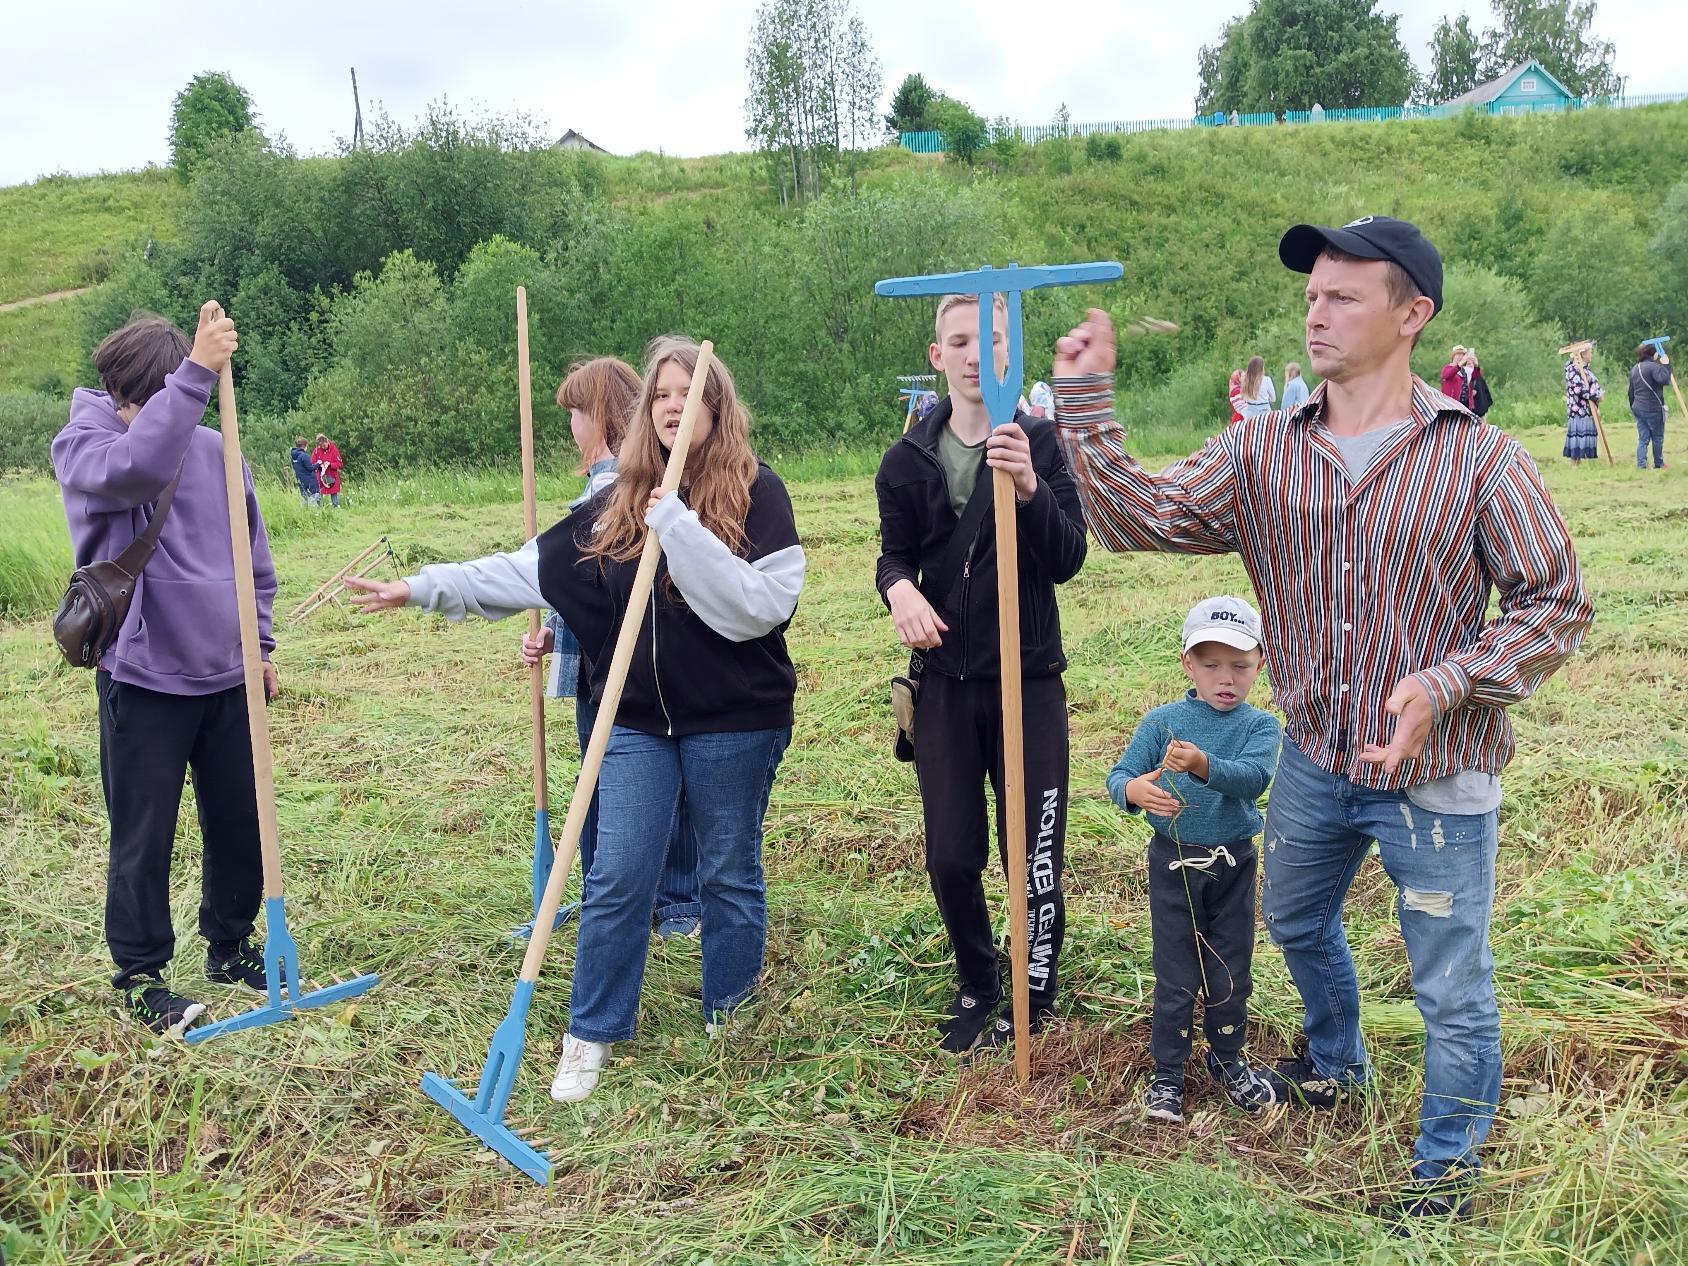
(1242, 755)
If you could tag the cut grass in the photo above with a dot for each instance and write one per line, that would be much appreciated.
(823, 1129)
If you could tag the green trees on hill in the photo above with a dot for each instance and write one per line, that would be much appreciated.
(375, 291)
(213, 108)
(1291, 54)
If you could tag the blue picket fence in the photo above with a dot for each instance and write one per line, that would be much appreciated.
(1032, 133)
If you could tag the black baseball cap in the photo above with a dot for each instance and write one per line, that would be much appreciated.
(1369, 237)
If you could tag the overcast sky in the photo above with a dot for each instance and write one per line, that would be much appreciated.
(88, 86)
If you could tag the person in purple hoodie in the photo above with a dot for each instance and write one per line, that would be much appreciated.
(171, 688)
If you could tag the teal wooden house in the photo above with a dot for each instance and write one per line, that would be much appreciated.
(1524, 89)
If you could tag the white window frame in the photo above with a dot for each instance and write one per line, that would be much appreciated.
(1529, 85)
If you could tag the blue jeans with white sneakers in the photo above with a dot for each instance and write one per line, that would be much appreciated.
(723, 781)
(1319, 828)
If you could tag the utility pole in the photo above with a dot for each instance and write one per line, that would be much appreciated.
(357, 113)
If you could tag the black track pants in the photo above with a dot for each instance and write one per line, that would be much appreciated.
(958, 745)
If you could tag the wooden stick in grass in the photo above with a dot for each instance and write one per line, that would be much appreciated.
(530, 508)
(1013, 761)
(251, 660)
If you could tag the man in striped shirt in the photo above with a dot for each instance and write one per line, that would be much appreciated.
(1373, 522)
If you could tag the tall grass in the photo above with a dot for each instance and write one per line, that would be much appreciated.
(35, 559)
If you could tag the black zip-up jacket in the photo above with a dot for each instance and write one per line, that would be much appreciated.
(916, 522)
(685, 677)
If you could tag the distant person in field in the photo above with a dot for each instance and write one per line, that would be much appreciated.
(1234, 394)
(1455, 375)
(939, 584)
(1375, 522)
(1481, 399)
(172, 694)
(1295, 387)
(1647, 383)
(600, 395)
(1255, 393)
(304, 473)
(1582, 392)
(326, 458)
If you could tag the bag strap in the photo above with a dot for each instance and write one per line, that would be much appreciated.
(937, 585)
(138, 554)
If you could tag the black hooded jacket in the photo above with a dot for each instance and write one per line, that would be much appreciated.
(916, 522)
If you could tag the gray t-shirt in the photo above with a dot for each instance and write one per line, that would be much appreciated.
(1470, 790)
(961, 466)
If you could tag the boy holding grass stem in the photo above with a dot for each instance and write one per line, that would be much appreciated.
(1196, 769)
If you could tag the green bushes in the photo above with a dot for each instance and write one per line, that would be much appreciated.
(28, 422)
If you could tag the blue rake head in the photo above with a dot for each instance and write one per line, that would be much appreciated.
(1002, 395)
(483, 1116)
(544, 857)
(1658, 344)
(281, 970)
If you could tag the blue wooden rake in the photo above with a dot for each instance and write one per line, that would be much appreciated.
(281, 955)
(1002, 399)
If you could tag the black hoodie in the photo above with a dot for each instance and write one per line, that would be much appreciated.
(916, 521)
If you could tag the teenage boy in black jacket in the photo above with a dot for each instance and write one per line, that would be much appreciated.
(924, 483)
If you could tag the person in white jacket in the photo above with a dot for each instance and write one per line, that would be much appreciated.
(598, 394)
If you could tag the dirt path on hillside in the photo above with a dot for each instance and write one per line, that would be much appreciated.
(54, 297)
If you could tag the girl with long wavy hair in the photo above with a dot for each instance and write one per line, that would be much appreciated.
(706, 711)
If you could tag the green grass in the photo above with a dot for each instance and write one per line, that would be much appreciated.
(823, 1129)
(62, 232)
(42, 348)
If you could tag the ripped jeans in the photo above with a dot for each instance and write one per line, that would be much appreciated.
(1319, 827)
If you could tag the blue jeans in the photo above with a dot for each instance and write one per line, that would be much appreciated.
(676, 892)
(723, 781)
(1651, 429)
(1319, 827)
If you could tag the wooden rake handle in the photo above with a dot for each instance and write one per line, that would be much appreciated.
(592, 761)
(1013, 763)
(530, 507)
(251, 658)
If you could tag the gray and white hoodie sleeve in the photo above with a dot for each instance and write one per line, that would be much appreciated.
(740, 599)
(494, 587)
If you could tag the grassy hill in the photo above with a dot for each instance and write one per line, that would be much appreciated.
(1553, 226)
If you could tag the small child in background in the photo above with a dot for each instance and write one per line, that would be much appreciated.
(1196, 769)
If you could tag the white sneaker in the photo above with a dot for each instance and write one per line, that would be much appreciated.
(577, 1071)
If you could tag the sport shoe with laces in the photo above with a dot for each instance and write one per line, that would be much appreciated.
(577, 1071)
(1307, 1085)
(1247, 1086)
(1001, 1032)
(1164, 1100)
(154, 1005)
(239, 963)
(969, 1014)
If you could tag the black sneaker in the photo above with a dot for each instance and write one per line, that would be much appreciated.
(969, 1014)
(1250, 1088)
(241, 963)
(1448, 1199)
(1164, 1100)
(164, 1012)
(1001, 1032)
(1307, 1085)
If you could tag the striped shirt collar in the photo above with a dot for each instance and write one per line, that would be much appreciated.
(1428, 405)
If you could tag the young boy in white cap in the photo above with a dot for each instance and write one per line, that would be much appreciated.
(1196, 769)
